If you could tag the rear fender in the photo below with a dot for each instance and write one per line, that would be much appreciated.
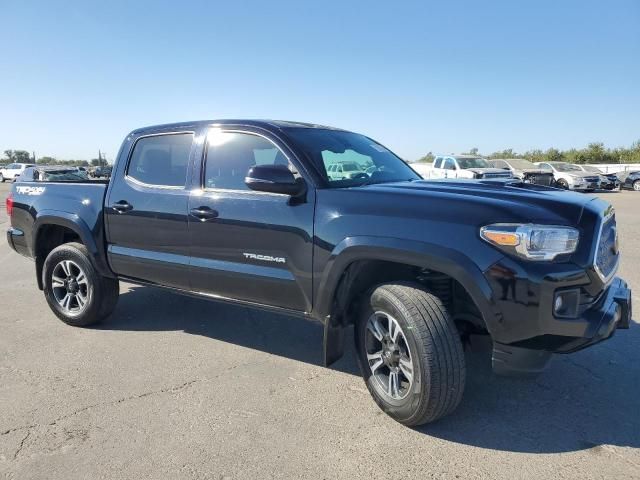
(76, 224)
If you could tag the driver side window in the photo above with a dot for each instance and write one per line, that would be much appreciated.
(230, 155)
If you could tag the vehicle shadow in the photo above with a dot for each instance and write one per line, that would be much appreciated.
(582, 401)
(155, 309)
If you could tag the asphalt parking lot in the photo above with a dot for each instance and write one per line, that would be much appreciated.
(176, 387)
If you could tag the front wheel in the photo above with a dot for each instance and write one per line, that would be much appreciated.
(410, 354)
(562, 184)
(1, 178)
(636, 185)
(74, 290)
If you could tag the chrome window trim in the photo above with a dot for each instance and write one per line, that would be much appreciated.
(135, 181)
(203, 169)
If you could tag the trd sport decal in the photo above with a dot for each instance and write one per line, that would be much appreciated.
(30, 190)
(265, 258)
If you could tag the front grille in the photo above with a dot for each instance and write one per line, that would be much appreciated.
(496, 175)
(539, 179)
(606, 259)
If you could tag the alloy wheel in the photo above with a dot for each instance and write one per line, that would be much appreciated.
(70, 287)
(389, 356)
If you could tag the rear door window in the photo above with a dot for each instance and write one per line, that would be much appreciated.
(161, 160)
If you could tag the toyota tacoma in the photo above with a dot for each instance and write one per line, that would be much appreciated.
(246, 211)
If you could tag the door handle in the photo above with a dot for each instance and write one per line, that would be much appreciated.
(122, 206)
(203, 213)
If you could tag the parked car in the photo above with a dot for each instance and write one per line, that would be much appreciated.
(465, 166)
(52, 174)
(630, 180)
(524, 170)
(608, 181)
(246, 212)
(102, 172)
(571, 177)
(345, 170)
(11, 171)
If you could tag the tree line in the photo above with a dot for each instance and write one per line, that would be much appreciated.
(22, 156)
(595, 152)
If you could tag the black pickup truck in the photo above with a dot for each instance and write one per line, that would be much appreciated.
(245, 211)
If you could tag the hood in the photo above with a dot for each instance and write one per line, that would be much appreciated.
(581, 174)
(535, 171)
(486, 170)
(486, 201)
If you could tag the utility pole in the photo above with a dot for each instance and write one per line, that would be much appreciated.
(34, 157)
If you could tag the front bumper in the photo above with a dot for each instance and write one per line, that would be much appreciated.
(523, 302)
(612, 311)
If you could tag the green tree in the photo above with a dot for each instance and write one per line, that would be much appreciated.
(47, 160)
(428, 158)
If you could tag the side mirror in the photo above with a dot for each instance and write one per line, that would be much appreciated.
(274, 179)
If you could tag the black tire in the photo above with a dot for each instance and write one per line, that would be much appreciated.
(636, 185)
(100, 293)
(562, 184)
(1, 178)
(436, 353)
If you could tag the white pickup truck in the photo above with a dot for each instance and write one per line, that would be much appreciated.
(460, 166)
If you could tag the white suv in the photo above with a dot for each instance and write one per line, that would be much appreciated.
(13, 170)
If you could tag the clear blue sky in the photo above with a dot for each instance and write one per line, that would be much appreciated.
(418, 76)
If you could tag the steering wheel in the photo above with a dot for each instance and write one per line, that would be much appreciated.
(360, 175)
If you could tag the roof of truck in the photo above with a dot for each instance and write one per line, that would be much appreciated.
(265, 124)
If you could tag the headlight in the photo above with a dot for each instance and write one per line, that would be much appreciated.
(533, 242)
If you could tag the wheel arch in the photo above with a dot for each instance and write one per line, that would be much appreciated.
(416, 256)
(54, 228)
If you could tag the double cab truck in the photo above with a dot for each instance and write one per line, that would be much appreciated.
(245, 211)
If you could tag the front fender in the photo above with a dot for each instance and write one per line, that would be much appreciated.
(420, 254)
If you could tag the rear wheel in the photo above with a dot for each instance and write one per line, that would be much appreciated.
(1, 178)
(74, 290)
(410, 354)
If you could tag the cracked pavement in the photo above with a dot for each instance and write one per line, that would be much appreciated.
(176, 387)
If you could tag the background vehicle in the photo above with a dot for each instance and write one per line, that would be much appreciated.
(571, 177)
(608, 181)
(52, 174)
(246, 211)
(524, 170)
(102, 172)
(465, 166)
(11, 171)
(344, 170)
(630, 180)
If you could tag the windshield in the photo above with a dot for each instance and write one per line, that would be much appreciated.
(589, 168)
(363, 160)
(466, 162)
(566, 167)
(522, 164)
